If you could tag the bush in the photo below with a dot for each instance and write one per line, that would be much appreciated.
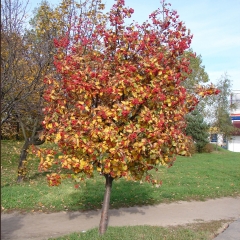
(208, 148)
(192, 148)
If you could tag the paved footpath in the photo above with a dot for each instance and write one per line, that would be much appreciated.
(231, 233)
(41, 226)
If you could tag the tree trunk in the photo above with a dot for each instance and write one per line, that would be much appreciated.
(22, 170)
(106, 202)
(22, 161)
(17, 130)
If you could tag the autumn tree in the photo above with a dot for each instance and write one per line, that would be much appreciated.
(23, 65)
(13, 14)
(119, 104)
(19, 86)
(40, 49)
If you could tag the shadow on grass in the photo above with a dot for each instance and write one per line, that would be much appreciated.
(37, 176)
(124, 194)
(41, 176)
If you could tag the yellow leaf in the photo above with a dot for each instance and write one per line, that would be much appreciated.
(124, 167)
(106, 170)
(183, 153)
(115, 169)
(112, 150)
(58, 137)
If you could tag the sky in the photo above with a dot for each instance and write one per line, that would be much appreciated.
(215, 25)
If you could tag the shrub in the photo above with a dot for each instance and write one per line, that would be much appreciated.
(192, 147)
(209, 147)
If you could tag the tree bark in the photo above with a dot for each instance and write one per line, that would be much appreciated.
(22, 161)
(33, 140)
(17, 131)
(106, 202)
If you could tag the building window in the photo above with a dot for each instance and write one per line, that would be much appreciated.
(214, 137)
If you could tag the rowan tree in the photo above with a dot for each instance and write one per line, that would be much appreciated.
(118, 104)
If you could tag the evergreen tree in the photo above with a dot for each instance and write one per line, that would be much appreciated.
(197, 129)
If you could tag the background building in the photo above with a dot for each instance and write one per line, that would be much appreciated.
(234, 141)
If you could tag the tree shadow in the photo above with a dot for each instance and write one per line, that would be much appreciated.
(9, 224)
(87, 214)
(37, 175)
(124, 194)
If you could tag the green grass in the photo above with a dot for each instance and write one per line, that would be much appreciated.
(197, 231)
(200, 177)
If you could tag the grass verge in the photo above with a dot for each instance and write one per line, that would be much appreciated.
(196, 231)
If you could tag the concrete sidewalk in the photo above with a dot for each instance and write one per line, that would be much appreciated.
(41, 226)
(231, 233)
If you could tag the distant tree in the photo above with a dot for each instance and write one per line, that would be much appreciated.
(221, 107)
(197, 129)
(197, 77)
(198, 74)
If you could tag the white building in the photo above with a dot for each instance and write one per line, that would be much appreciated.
(234, 141)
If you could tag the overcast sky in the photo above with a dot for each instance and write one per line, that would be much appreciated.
(215, 25)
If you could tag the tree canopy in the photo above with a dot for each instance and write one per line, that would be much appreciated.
(119, 104)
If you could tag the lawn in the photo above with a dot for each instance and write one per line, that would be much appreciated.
(200, 177)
